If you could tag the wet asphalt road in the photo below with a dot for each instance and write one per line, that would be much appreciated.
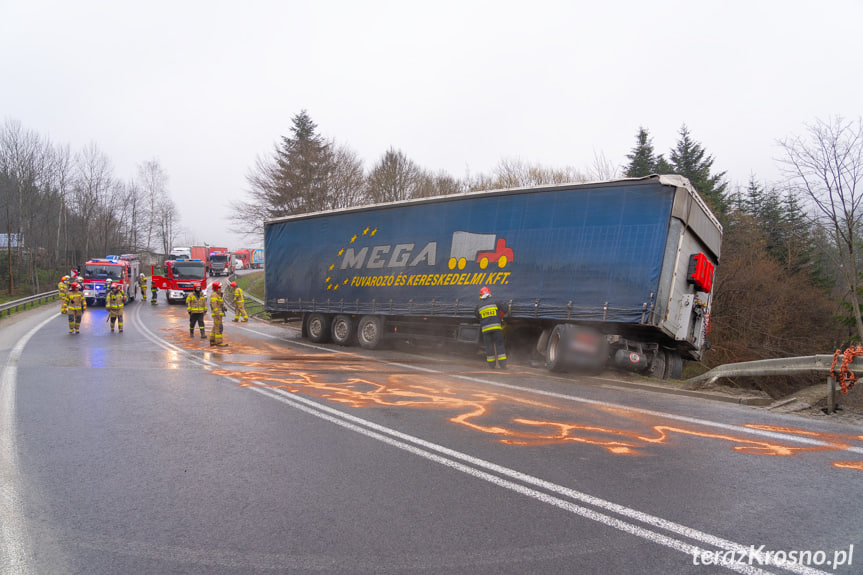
(148, 452)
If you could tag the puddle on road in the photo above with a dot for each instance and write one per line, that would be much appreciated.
(512, 418)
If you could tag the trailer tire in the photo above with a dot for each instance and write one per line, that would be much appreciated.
(659, 364)
(318, 327)
(556, 349)
(342, 329)
(674, 366)
(370, 331)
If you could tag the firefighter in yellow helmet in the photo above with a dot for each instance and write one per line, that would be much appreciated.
(489, 315)
(114, 303)
(75, 307)
(196, 305)
(63, 289)
(217, 309)
(239, 303)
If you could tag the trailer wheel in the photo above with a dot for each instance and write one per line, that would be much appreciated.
(318, 328)
(370, 331)
(554, 353)
(659, 364)
(342, 329)
(674, 367)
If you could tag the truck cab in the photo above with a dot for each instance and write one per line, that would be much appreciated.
(178, 278)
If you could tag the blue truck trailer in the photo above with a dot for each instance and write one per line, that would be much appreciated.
(616, 273)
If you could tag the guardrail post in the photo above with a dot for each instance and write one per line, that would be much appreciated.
(831, 395)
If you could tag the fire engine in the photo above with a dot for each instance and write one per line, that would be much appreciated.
(122, 269)
(178, 278)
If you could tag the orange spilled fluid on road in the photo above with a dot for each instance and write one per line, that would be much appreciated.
(509, 417)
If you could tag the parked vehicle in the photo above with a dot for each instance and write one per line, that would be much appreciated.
(121, 269)
(615, 273)
(199, 253)
(257, 258)
(180, 253)
(219, 261)
(241, 259)
(178, 278)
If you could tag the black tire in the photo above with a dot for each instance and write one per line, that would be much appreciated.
(674, 367)
(370, 331)
(318, 327)
(556, 350)
(659, 365)
(343, 329)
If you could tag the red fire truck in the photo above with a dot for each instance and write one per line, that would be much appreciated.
(178, 278)
(121, 269)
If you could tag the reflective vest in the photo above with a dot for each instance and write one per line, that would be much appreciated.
(489, 317)
(76, 302)
(114, 301)
(217, 306)
(196, 303)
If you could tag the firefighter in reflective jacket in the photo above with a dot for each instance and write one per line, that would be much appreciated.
(196, 305)
(239, 303)
(75, 308)
(63, 288)
(154, 290)
(217, 309)
(490, 315)
(142, 285)
(114, 304)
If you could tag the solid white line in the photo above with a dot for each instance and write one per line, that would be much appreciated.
(474, 467)
(15, 540)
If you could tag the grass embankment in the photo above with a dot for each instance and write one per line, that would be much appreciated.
(253, 285)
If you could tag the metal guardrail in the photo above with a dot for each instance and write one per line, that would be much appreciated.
(809, 364)
(11, 306)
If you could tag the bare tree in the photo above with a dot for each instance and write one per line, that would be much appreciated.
(166, 223)
(395, 177)
(153, 183)
(511, 173)
(345, 178)
(826, 164)
(25, 159)
(93, 197)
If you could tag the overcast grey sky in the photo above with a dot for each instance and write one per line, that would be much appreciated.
(205, 87)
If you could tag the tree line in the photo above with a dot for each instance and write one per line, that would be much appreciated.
(788, 282)
(59, 207)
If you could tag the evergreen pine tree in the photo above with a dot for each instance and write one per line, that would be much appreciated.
(642, 160)
(689, 160)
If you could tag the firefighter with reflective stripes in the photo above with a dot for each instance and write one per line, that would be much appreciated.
(217, 309)
(490, 315)
(196, 305)
(239, 303)
(63, 288)
(154, 290)
(142, 285)
(114, 304)
(75, 308)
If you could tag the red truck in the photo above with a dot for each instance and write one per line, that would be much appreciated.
(121, 269)
(178, 278)
(241, 259)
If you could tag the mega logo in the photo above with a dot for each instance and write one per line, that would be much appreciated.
(403, 260)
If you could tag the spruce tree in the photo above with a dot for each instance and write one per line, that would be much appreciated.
(642, 159)
(690, 160)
